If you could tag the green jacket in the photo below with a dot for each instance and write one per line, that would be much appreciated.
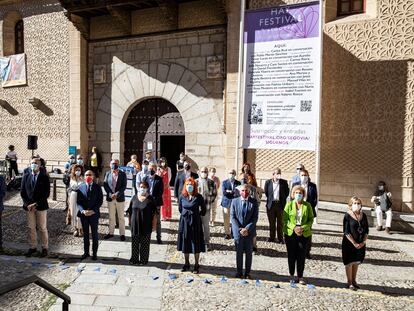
(289, 218)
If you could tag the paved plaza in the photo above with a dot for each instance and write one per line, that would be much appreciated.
(386, 277)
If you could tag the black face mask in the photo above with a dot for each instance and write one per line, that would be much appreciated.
(187, 167)
(152, 172)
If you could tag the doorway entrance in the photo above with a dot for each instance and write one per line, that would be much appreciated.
(155, 124)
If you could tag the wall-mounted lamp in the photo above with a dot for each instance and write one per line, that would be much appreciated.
(39, 105)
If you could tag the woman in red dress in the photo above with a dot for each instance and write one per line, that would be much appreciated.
(165, 173)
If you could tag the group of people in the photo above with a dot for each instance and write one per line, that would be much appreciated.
(290, 213)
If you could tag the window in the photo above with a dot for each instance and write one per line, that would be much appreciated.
(18, 38)
(347, 7)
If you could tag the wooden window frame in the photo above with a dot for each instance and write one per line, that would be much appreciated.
(19, 37)
(351, 11)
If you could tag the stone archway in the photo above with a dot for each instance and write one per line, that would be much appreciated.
(174, 83)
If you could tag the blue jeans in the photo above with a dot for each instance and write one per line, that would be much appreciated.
(244, 245)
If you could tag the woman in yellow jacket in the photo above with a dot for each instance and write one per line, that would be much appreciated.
(297, 224)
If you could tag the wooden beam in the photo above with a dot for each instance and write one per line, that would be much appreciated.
(80, 23)
(94, 5)
(122, 16)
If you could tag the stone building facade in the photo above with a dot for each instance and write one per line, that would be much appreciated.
(93, 65)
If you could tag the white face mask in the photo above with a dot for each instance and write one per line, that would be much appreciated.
(203, 175)
(356, 207)
(304, 179)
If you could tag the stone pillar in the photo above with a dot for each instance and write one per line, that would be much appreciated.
(78, 48)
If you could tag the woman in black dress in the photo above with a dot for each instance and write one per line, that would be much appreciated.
(190, 232)
(142, 220)
(354, 240)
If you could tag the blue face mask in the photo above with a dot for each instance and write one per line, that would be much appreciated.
(80, 161)
(189, 188)
(142, 191)
(145, 167)
(72, 160)
(34, 166)
(114, 166)
(298, 197)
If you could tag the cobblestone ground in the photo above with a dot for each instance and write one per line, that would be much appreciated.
(14, 266)
(386, 277)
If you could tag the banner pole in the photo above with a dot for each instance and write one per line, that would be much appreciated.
(239, 83)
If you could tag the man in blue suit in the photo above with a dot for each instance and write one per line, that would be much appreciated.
(156, 189)
(244, 214)
(311, 196)
(89, 200)
(2, 195)
(115, 183)
(229, 188)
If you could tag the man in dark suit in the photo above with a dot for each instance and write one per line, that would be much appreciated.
(244, 215)
(156, 188)
(115, 183)
(229, 188)
(89, 199)
(311, 196)
(277, 191)
(35, 190)
(183, 173)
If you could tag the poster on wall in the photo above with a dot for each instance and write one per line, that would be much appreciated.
(282, 77)
(13, 70)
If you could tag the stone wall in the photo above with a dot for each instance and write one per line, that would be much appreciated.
(367, 105)
(46, 44)
(171, 66)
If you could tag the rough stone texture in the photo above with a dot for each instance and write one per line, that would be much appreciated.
(46, 44)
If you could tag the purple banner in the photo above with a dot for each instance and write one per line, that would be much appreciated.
(282, 23)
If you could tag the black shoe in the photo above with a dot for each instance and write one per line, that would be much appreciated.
(108, 236)
(122, 237)
(270, 240)
(238, 275)
(356, 285)
(255, 251)
(185, 268)
(84, 256)
(196, 269)
(30, 252)
(159, 241)
(227, 237)
(43, 253)
(247, 276)
(94, 258)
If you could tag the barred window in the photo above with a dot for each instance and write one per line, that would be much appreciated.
(347, 7)
(19, 37)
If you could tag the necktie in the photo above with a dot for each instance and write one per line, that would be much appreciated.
(244, 210)
(33, 181)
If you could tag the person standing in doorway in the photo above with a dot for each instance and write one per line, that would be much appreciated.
(229, 188)
(383, 204)
(35, 191)
(115, 183)
(208, 191)
(156, 188)
(136, 168)
(244, 216)
(277, 192)
(11, 157)
(165, 173)
(149, 157)
(181, 161)
(95, 163)
(89, 199)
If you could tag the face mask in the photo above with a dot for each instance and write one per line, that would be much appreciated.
(278, 176)
(356, 207)
(78, 173)
(381, 188)
(244, 194)
(34, 166)
(142, 191)
(114, 166)
(152, 172)
(89, 179)
(203, 175)
(72, 161)
(80, 162)
(303, 179)
(187, 167)
(231, 177)
(243, 181)
(212, 174)
(189, 188)
(298, 197)
(145, 167)
(298, 171)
